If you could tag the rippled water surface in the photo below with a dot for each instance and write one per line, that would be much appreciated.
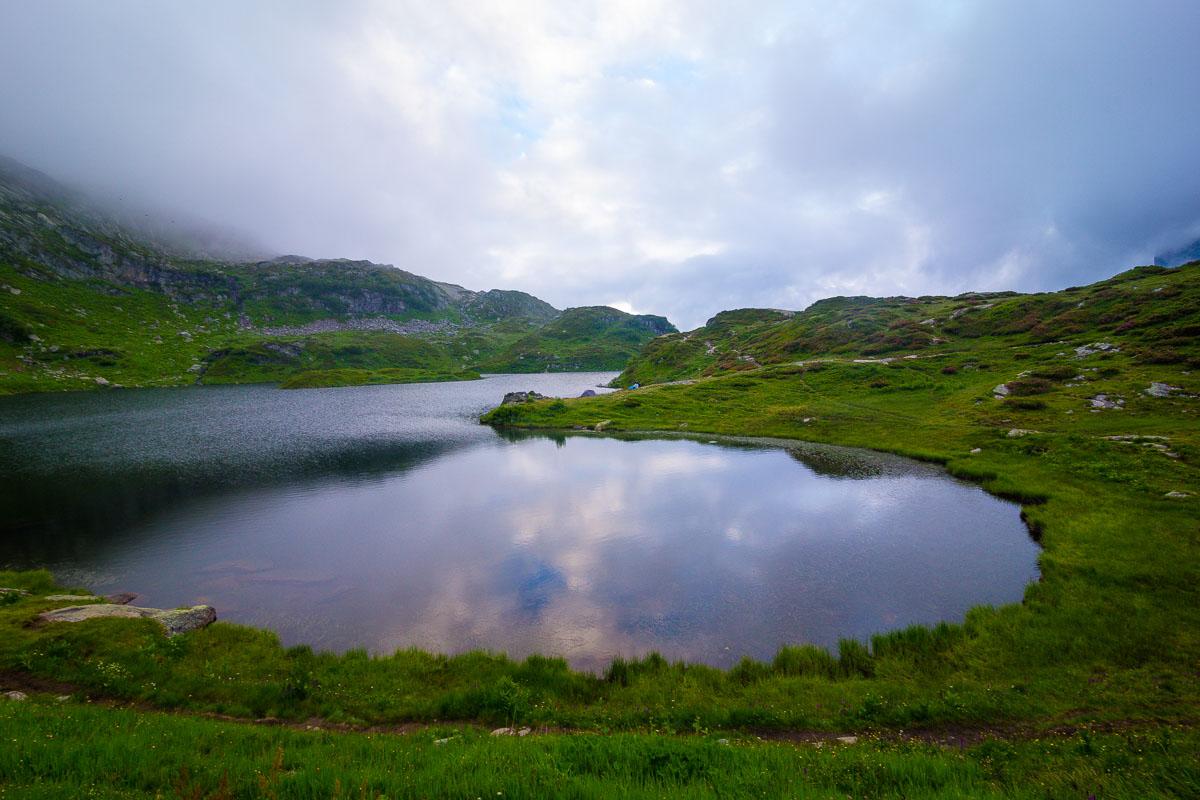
(386, 517)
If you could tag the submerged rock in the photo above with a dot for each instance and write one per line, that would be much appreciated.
(121, 598)
(174, 620)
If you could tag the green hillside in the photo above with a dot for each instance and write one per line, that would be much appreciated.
(86, 303)
(1154, 310)
(593, 338)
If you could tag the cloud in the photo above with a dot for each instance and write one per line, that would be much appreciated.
(685, 157)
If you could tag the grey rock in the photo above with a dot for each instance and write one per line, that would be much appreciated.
(71, 598)
(1083, 351)
(1017, 433)
(18, 696)
(522, 397)
(588, 393)
(504, 732)
(121, 598)
(1160, 389)
(1104, 401)
(21, 592)
(848, 739)
(1177, 495)
(174, 620)
(603, 425)
(1001, 391)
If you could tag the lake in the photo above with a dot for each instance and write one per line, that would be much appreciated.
(385, 517)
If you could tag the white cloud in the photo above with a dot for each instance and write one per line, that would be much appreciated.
(685, 157)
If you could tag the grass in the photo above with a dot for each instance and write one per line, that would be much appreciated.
(73, 334)
(312, 379)
(588, 339)
(69, 750)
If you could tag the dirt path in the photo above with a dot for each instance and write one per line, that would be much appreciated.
(949, 735)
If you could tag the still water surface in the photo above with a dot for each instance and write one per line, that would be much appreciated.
(386, 517)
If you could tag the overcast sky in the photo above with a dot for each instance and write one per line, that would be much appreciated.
(670, 157)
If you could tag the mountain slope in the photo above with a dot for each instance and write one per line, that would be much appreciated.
(591, 338)
(1154, 310)
(86, 301)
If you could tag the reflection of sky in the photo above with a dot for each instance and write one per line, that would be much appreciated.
(587, 550)
(387, 517)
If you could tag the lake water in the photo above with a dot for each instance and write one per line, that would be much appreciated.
(387, 517)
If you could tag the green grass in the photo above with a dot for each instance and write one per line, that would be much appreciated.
(587, 339)
(313, 379)
(1154, 309)
(62, 335)
(70, 750)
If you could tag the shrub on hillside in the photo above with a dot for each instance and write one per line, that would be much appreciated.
(1023, 387)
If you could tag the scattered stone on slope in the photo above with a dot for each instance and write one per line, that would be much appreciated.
(1083, 351)
(1160, 389)
(14, 695)
(174, 620)
(1017, 433)
(1001, 391)
(1102, 401)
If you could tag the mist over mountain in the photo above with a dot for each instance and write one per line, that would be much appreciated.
(90, 299)
(661, 157)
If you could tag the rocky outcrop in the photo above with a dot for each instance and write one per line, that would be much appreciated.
(522, 397)
(1086, 350)
(174, 620)
(1103, 401)
(1160, 389)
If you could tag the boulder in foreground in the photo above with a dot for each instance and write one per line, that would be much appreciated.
(174, 620)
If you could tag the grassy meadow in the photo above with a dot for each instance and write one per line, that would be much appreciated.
(1090, 686)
